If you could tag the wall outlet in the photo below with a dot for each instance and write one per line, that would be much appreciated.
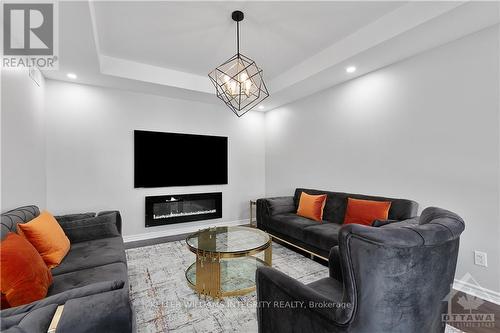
(480, 258)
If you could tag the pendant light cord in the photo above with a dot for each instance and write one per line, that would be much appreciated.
(238, 37)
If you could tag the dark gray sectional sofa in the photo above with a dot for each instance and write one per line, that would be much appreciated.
(91, 282)
(278, 217)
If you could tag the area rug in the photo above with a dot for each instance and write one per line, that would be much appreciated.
(163, 301)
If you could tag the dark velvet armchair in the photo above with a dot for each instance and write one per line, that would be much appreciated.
(389, 279)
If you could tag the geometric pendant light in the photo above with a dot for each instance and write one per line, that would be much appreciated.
(238, 81)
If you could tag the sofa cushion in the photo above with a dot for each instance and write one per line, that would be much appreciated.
(366, 211)
(280, 205)
(311, 206)
(323, 236)
(24, 276)
(290, 224)
(91, 254)
(91, 228)
(399, 224)
(381, 223)
(72, 217)
(84, 277)
(47, 236)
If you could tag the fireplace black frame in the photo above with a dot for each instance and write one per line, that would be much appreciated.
(152, 200)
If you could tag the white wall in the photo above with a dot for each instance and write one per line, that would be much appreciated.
(426, 129)
(23, 140)
(90, 151)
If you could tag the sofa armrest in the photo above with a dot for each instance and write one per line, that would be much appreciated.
(334, 263)
(36, 321)
(274, 206)
(104, 225)
(109, 312)
(268, 207)
(276, 292)
(62, 298)
(99, 307)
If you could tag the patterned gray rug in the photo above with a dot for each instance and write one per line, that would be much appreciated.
(165, 303)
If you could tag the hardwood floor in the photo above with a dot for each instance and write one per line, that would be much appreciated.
(153, 241)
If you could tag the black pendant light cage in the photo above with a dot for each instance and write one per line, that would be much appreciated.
(239, 81)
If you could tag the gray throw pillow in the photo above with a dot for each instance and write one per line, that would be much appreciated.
(73, 217)
(102, 226)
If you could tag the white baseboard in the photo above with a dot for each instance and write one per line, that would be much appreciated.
(477, 291)
(180, 230)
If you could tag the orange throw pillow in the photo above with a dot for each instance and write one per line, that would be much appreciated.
(311, 206)
(366, 211)
(47, 236)
(24, 276)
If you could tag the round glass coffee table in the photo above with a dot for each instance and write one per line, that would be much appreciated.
(225, 260)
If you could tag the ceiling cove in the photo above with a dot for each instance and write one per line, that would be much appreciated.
(302, 47)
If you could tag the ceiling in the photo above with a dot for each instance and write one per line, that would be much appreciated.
(167, 48)
(194, 37)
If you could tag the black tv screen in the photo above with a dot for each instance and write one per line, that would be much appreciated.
(173, 159)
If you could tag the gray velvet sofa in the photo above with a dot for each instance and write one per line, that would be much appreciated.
(91, 282)
(278, 217)
(395, 278)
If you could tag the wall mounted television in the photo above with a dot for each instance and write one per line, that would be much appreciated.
(175, 159)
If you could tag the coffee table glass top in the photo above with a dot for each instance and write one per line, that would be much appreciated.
(228, 239)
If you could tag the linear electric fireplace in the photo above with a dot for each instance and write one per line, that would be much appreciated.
(177, 208)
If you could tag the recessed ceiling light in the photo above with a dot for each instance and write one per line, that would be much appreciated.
(350, 69)
(261, 107)
(72, 76)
